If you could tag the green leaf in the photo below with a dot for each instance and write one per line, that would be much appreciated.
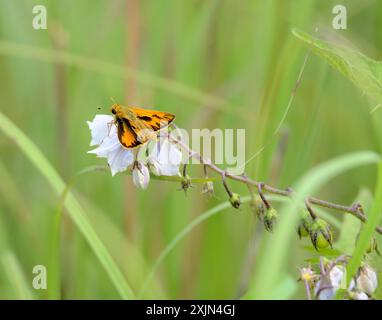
(325, 252)
(373, 218)
(364, 72)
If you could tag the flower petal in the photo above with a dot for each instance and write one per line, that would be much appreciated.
(118, 157)
(328, 285)
(110, 144)
(119, 160)
(359, 296)
(169, 170)
(141, 175)
(165, 158)
(100, 128)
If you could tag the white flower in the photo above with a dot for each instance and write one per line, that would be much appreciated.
(104, 134)
(356, 295)
(367, 280)
(165, 158)
(307, 275)
(141, 175)
(328, 284)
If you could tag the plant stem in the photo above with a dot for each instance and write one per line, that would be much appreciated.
(260, 187)
(307, 290)
(356, 209)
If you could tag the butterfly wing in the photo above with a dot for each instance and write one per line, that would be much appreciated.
(126, 133)
(153, 119)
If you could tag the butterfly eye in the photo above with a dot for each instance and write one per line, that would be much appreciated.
(113, 111)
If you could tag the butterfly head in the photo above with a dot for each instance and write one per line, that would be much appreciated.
(116, 110)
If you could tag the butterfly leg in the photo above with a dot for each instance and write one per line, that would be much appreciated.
(109, 126)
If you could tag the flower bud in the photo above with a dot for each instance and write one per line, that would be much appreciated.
(208, 188)
(320, 234)
(366, 281)
(234, 199)
(373, 246)
(141, 175)
(258, 207)
(270, 217)
(185, 182)
(304, 224)
(302, 230)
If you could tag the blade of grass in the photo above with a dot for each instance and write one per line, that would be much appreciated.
(367, 232)
(54, 291)
(71, 204)
(16, 276)
(12, 197)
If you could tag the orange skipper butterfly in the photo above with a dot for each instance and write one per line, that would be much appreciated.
(136, 126)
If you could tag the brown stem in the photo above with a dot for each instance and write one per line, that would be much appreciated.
(225, 184)
(205, 171)
(260, 186)
(310, 210)
(356, 210)
(185, 170)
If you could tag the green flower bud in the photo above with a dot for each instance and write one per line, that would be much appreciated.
(185, 182)
(258, 207)
(234, 199)
(270, 218)
(373, 246)
(321, 241)
(208, 188)
(304, 224)
(302, 230)
(320, 234)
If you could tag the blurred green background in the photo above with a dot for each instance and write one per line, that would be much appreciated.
(215, 64)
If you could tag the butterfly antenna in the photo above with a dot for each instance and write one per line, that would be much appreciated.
(112, 99)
